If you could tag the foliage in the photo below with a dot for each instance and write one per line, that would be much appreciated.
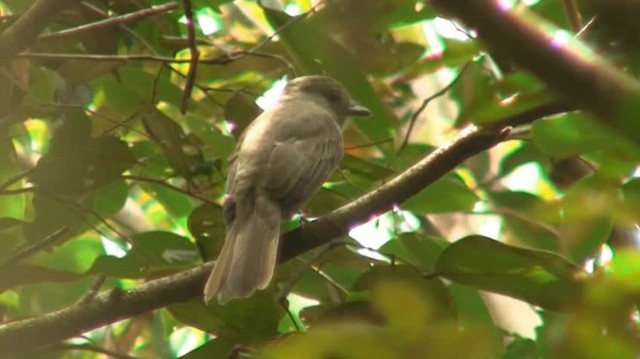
(112, 172)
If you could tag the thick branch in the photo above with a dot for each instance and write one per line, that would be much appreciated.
(23, 33)
(112, 306)
(440, 162)
(582, 77)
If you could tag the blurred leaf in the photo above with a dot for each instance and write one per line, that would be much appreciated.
(438, 304)
(207, 227)
(20, 274)
(99, 162)
(442, 196)
(215, 348)
(344, 340)
(365, 167)
(519, 211)
(521, 348)
(416, 249)
(571, 134)
(410, 154)
(241, 109)
(8, 222)
(393, 13)
(584, 240)
(182, 151)
(538, 277)
(152, 251)
(455, 54)
(241, 320)
(357, 310)
(384, 58)
(524, 154)
(515, 94)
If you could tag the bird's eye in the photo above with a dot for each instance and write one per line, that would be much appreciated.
(334, 96)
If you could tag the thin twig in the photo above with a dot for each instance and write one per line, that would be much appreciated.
(167, 185)
(572, 14)
(219, 60)
(94, 290)
(426, 101)
(297, 275)
(47, 242)
(23, 32)
(194, 56)
(9, 192)
(125, 28)
(366, 145)
(154, 10)
(14, 179)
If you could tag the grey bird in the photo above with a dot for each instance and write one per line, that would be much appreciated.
(280, 162)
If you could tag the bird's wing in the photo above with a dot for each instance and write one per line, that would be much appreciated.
(298, 166)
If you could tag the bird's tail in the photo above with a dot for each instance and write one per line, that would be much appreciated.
(248, 257)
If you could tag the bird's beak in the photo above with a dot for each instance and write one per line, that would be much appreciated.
(356, 110)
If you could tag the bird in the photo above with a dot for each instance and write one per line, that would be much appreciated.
(280, 161)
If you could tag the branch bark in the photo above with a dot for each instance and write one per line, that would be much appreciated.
(567, 66)
(24, 32)
(108, 307)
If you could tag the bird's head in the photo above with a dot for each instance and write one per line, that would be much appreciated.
(327, 91)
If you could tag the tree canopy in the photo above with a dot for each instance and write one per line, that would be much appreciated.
(487, 208)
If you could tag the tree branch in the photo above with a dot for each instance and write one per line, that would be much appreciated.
(114, 305)
(23, 33)
(565, 65)
(112, 21)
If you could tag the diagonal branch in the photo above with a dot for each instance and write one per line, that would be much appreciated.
(117, 20)
(23, 33)
(565, 64)
(115, 305)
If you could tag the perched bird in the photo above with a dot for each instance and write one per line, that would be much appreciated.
(280, 162)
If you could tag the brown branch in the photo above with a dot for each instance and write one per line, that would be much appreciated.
(161, 182)
(570, 68)
(117, 20)
(440, 162)
(426, 101)
(27, 251)
(219, 60)
(112, 306)
(24, 31)
(194, 56)
(572, 14)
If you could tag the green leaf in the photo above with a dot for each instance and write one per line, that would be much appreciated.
(182, 151)
(366, 168)
(155, 251)
(443, 196)
(392, 13)
(73, 168)
(207, 226)
(571, 134)
(538, 277)
(432, 291)
(215, 348)
(524, 154)
(21, 274)
(515, 94)
(415, 248)
(455, 54)
(522, 222)
(245, 320)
